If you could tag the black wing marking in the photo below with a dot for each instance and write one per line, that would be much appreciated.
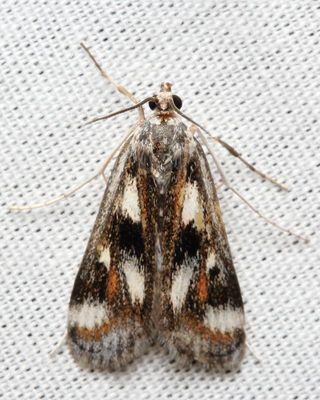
(109, 314)
(202, 311)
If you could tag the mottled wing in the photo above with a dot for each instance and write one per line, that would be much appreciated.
(110, 305)
(202, 311)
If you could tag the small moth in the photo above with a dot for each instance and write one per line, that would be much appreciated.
(158, 264)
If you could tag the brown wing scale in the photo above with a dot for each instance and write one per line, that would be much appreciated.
(202, 311)
(109, 320)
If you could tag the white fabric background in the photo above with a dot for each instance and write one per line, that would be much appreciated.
(247, 70)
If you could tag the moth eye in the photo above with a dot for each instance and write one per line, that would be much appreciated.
(152, 105)
(177, 101)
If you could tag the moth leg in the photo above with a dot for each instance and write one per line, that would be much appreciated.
(236, 154)
(253, 353)
(80, 186)
(227, 184)
(120, 88)
(194, 128)
(58, 346)
(54, 199)
(271, 222)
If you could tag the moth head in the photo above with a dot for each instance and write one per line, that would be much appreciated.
(162, 102)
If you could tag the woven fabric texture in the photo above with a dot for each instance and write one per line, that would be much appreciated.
(247, 70)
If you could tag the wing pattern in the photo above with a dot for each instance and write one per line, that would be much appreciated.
(202, 310)
(109, 320)
(158, 263)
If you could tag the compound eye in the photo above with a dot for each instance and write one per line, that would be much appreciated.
(152, 105)
(177, 101)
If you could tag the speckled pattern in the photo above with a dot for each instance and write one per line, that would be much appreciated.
(248, 71)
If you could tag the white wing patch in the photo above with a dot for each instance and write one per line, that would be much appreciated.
(135, 279)
(211, 261)
(224, 319)
(192, 207)
(130, 201)
(88, 315)
(180, 286)
(105, 257)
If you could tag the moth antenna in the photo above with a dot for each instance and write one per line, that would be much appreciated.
(146, 100)
(233, 152)
(120, 88)
(176, 109)
(227, 184)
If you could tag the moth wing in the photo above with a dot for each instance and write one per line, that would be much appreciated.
(202, 310)
(110, 305)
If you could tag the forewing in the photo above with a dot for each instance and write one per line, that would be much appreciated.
(110, 305)
(202, 311)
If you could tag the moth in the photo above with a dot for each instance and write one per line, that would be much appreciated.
(158, 265)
